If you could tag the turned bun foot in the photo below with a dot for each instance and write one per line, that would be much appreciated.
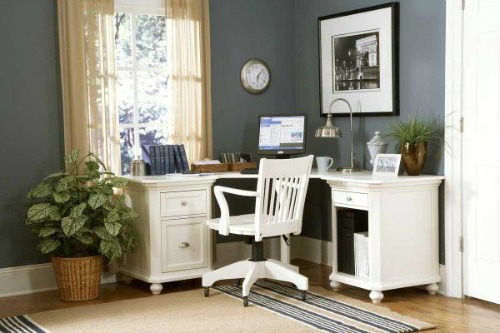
(376, 296)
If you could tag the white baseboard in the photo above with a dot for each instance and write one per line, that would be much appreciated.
(22, 280)
(36, 278)
(313, 250)
(442, 284)
(26, 279)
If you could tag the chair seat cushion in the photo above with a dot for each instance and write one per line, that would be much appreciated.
(240, 224)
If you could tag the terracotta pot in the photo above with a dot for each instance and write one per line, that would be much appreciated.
(78, 279)
(413, 156)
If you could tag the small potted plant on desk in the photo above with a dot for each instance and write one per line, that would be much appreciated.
(412, 137)
(79, 220)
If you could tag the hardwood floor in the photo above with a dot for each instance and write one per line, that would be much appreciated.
(448, 314)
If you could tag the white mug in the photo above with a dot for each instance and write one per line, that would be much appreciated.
(324, 163)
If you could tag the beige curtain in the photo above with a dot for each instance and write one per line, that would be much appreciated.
(86, 40)
(188, 37)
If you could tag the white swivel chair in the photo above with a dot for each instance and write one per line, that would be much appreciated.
(280, 194)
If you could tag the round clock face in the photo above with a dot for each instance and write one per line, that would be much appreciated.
(255, 76)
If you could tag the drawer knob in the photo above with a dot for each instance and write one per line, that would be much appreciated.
(183, 245)
(349, 199)
(184, 203)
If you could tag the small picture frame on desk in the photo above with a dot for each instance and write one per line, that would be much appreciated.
(387, 165)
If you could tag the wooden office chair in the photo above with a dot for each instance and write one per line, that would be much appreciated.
(281, 191)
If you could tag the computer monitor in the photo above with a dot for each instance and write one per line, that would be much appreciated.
(282, 135)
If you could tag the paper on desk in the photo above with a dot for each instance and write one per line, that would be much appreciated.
(202, 162)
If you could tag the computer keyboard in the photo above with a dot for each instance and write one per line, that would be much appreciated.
(249, 171)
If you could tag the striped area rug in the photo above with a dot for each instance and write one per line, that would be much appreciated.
(343, 315)
(19, 324)
(273, 307)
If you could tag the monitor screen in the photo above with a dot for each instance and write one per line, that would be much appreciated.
(282, 134)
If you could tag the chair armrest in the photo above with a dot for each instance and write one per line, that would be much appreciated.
(236, 191)
(224, 208)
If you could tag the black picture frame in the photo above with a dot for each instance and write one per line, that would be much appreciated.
(359, 61)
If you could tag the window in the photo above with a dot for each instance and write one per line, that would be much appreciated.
(142, 80)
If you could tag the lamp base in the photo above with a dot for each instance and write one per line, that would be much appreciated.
(349, 169)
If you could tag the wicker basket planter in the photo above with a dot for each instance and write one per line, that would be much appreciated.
(78, 279)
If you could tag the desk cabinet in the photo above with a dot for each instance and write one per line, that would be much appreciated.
(402, 226)
(174, 242)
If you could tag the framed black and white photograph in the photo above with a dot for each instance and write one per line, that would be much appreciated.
(359, 61)
(387, 165)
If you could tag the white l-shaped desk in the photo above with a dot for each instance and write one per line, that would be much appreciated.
(402, 211)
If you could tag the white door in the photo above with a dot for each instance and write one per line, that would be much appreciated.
(481, 149)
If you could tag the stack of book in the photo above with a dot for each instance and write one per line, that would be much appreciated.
(361, 254)
(164, 159)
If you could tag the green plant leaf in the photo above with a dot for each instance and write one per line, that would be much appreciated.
(70, 225)
(118, 182)
(77, 211)
(132, 241)
(41, 190)
(102, 233)
(90, 174)
(414, 130)
(45, 232)
(72, 156)
(111, 249)
(113, 216)
(97, 200)
(55, 175)
(49, 245)
(92, 165)
(64, 183)
(98, 160)
(42, 212)
(130, 214)
(61, 197)
(107, 189)
(113, 228)
(85, 238)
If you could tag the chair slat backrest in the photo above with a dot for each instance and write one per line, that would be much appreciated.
(282, 184)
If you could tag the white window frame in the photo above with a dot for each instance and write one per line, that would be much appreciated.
(143, 7)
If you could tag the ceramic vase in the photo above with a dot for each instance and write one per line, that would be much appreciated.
(376, 146)
(413, 156)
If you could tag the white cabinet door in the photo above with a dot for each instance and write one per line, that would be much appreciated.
(481, 149)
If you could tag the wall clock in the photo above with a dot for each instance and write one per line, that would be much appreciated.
(255, 76)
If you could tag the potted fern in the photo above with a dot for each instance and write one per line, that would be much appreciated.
(412, 137)
(79, 220)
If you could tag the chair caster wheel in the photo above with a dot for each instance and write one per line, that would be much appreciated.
(206, 291)
(303, 295)
(245, 301)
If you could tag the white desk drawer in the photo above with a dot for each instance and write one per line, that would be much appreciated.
(184, 244)
(350, 198)
(184, 203)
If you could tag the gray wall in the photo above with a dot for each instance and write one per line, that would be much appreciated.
(245, 28)
(282, 32)
(421, 74)
(30, 131)
(240, 30)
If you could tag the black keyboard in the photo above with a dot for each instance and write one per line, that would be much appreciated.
(249, 171)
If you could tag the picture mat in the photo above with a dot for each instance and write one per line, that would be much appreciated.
(375, 101)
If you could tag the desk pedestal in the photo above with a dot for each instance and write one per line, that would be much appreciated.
(402, 228)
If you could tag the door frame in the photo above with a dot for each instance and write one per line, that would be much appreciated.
(453, 226)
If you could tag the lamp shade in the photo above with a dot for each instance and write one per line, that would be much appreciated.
(328, 130)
